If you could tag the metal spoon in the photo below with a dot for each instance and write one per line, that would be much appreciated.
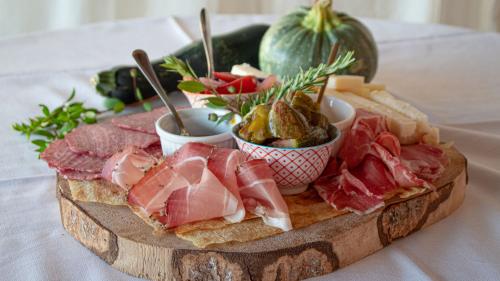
(206, 37)
(146, 68)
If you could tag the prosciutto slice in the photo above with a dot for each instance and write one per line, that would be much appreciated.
(141, 122)
(155, 150)
(375, 176)
(105, 139)
(127, 167)
(425, 161)
(356, 200)
(373, 164)
(59, 156)
(223, 163)
(365, 129)
(402, 175)
(201, 182)
(184, 189)
(260, 194)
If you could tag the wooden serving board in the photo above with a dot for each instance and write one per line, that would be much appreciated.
(124, 241)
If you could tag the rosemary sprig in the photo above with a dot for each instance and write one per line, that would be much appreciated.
(173, 64)
(304, 81)
(55, 124)
(192, 84)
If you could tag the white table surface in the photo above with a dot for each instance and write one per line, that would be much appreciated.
(452, 74)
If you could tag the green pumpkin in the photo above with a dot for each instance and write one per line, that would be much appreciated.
(303, 39)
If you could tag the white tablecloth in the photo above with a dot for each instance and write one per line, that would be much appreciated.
(452, 74)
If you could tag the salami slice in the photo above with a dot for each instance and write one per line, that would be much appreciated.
(59, 156)
(141, 122)
(105, 139)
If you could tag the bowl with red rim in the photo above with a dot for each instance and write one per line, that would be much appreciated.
(294, 168)
(230, 86)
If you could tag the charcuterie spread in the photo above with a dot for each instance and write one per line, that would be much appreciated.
(312, 146)
(202, 184)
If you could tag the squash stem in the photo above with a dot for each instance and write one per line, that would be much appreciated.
(321, 17)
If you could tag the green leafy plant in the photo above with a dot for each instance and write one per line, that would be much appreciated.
(55, 124)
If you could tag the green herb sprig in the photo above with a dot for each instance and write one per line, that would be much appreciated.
(55, 124)
(304, 81)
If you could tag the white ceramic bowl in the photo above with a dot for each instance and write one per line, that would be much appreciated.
(294, 168)
(341, 114)
(197, 123)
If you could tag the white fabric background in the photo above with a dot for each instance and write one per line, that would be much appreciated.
(450, 73)
(21, 16)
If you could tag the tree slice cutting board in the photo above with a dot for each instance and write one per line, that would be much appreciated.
(124, 241)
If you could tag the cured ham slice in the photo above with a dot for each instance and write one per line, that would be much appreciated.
(402, 175)
(127, 167)
(425, 161)
(200, 182)
(389, 142)
(223, 163)
(357, 201)
(260, 194)
(59, 156)
(374, 165)
(154, 150)
(207, 199)
(184, 189)
(366, 127)
(105, 139)
(141, 122)
(375, 176)
(360, 191)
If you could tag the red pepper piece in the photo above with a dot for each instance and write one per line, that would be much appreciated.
(225, 76)
(245, 84)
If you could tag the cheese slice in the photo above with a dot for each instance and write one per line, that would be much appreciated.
(400, 125)
(405, 108)
(246, 69)
(374, 87)
(347, 83)
(429, 134)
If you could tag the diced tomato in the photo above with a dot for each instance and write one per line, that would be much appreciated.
(225, 76)
(246, 84)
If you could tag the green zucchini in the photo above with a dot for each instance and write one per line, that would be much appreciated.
(237, 47)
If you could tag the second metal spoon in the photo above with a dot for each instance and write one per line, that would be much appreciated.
(206, 38)
(144, 65)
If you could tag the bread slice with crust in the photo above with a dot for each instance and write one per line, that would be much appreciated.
(100, 191)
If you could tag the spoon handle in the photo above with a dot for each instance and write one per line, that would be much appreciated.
(207, 42)
(144, 65)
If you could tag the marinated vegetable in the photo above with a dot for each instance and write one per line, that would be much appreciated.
(255, 126)
(298, 124)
